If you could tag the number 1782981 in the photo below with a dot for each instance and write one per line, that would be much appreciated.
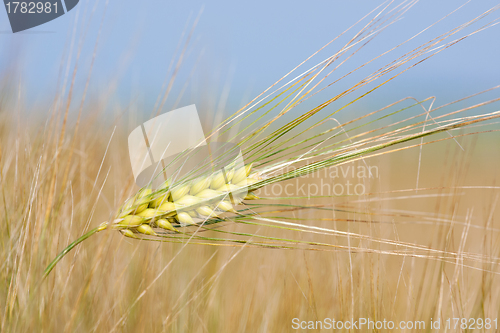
(31, 7)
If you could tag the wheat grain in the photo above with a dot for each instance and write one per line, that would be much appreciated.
(164, 224)
(146, 229)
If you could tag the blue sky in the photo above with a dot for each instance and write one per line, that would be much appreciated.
(238, 48)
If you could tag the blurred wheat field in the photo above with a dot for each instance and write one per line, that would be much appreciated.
(111, 283)
(420, 242)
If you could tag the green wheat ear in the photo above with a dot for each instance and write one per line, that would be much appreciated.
(169, 213)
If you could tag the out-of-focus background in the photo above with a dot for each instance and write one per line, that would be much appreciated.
(421, 242)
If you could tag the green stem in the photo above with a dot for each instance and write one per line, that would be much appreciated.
(69, 248)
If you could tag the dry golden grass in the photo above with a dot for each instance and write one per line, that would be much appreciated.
(402, 251)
